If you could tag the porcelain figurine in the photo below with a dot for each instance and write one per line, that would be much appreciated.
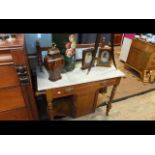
(67, 44)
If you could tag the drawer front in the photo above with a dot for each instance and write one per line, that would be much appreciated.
(6, 58)
(108, 83)
(138, 59)
(82, 88)
(19, 56)
(96, 85)
(139, 44)
(8, 76)
(11, 98)
(65, 91)
(143, 46)
(17, 114)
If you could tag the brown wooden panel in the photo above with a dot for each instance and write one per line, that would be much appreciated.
(78, 89)
(17, 114)
(137, 58)
(143, 46)
(8, 76)
(11, 98)
(13, 94)
(117, 39)
(19, 56)
(84, 103)
(64, 91)
(5, 58)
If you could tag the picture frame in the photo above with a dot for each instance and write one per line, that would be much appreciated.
(104, 57)
(81, 47)
(87, 57)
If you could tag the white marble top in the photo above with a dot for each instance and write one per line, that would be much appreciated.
(77, 76)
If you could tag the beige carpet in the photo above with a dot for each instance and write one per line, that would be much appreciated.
(136, 108)
(132, 84)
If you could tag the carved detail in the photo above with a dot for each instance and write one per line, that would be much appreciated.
(22, 74)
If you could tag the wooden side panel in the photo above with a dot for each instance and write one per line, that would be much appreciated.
(15, 88)
(138, 59)
(8, 76)
(19, 56)
(13, 115)
(11, 98)
(84, 103)
(6, 58)
(118, 39)
(151, 62)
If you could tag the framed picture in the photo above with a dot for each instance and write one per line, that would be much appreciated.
(81, 47)
(104, 57)
(87, 57)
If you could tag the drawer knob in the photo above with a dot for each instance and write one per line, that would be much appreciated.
(59, 92)
(22, 74)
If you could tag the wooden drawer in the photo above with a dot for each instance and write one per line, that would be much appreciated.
(11, 98)
(75, 89)
(143, 46)
(8, 76)
(138, 58)
(19, 56)
(17, 114)
(65, 91)
(108, 83)
(82, 88)
(6, 58)
(138, 44)
(97, 85)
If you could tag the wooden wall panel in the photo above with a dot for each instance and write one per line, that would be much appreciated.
(11, 98)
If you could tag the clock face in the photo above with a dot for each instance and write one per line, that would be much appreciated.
(88, 58)
(105, 57)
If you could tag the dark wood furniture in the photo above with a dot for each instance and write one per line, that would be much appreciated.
(141, 58)
(16, 95)
(84, 102)
(82, 93)
(118, 39)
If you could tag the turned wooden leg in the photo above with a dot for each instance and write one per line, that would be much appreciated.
(109, 105)
(49, 104)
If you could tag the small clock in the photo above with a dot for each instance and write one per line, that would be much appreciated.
(87, 57)
(104, 57)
